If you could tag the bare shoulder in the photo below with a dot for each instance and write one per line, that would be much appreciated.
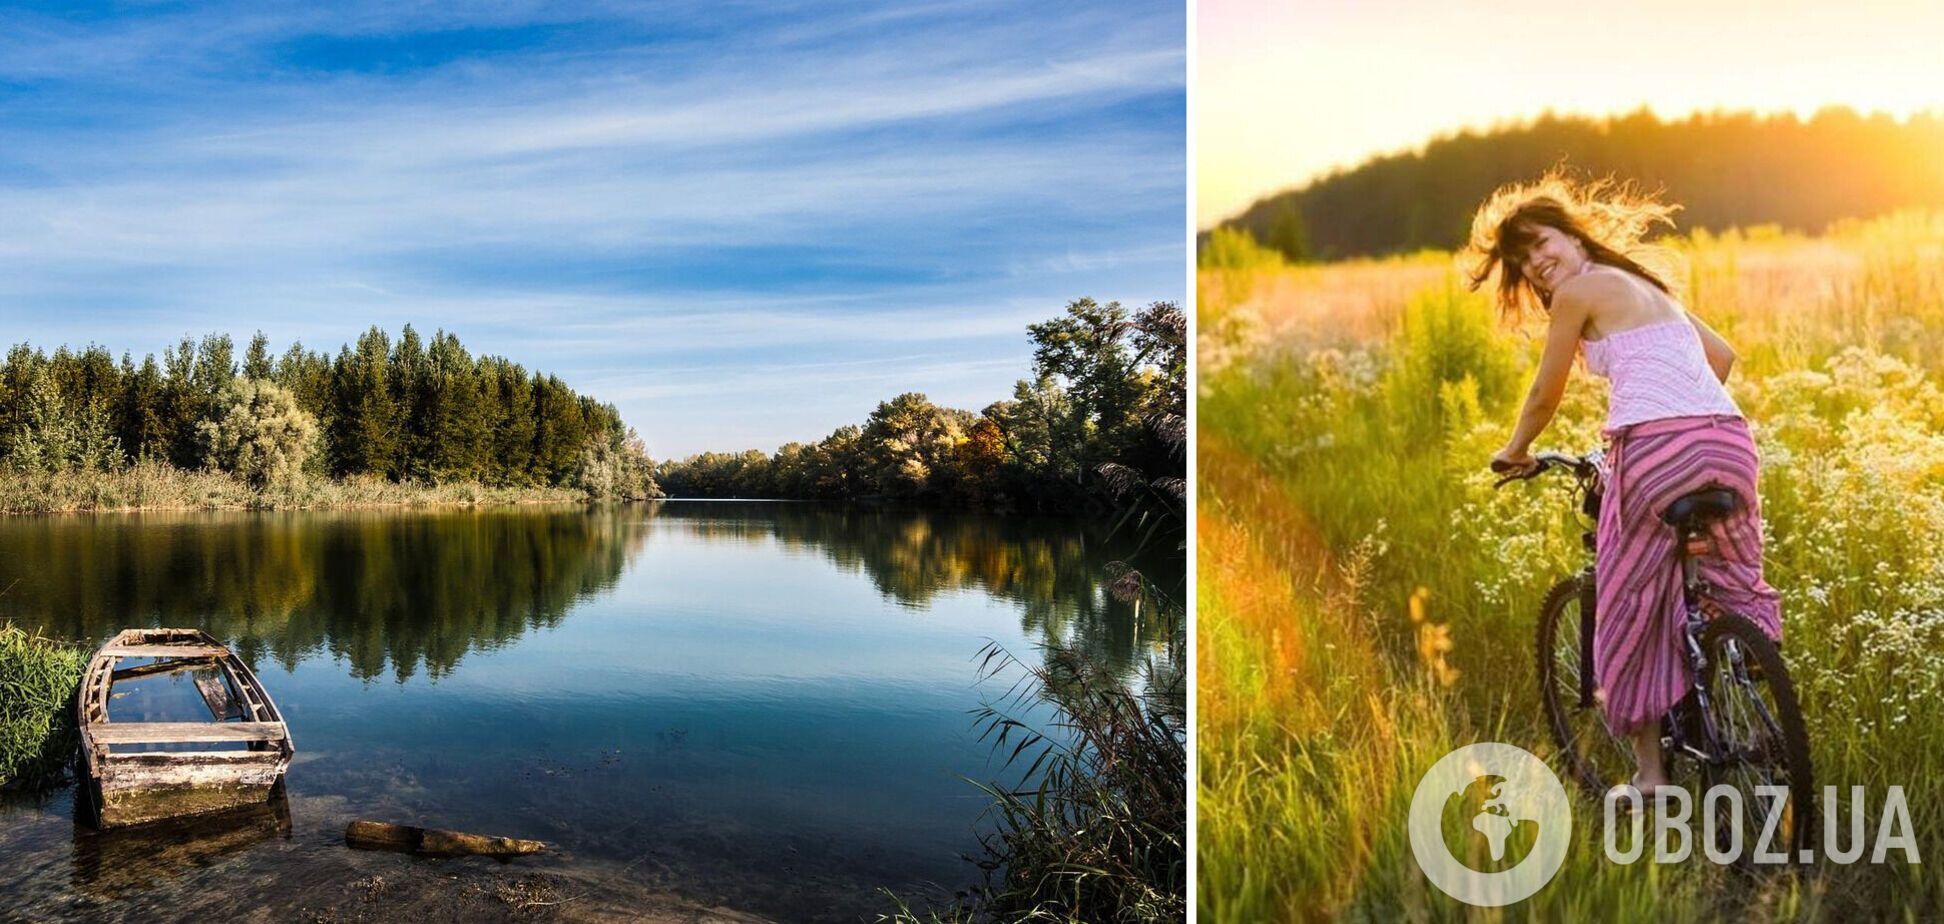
(1599, 286)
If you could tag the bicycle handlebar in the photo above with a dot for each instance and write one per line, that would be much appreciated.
(1546, 461)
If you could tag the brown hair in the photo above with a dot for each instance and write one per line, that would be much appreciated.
(1611, 220)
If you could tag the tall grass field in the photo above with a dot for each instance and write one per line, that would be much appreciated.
(1367, 601)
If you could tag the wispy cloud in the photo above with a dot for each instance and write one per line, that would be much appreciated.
(689, 190)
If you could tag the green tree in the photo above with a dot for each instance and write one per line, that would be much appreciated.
(1044, 431)
(455, 429)
(256, 362)
(1087, 350)
(307, 375)
(1289, 233)
(17, 376)
(364, 417)
(512, 438)
(408, 380)
(558, 431)
(908, 446)
(181, 404)
(839, 470)
(139, 421)
(260, 434)
(54, 437)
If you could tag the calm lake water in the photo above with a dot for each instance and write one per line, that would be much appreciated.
(761, 707)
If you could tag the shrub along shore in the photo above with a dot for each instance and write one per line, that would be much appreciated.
(151, 485)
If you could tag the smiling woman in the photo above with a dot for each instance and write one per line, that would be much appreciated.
(1412, 274)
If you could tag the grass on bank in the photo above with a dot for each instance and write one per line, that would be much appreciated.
(1097, 830)
(38, 677)
(1367, 599)
(151, 485)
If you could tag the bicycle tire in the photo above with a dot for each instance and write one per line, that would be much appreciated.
(1789, 749)
(1592, 756)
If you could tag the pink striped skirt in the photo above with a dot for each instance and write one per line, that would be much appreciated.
(1637, 648)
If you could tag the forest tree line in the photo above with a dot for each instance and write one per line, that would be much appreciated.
(404, 410)
(1103, 413)
(1724, 169)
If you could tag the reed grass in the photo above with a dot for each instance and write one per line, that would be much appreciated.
(152, 485)
(38, 677)
(1366, 600)
(1096, 829)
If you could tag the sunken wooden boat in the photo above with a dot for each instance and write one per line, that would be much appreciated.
(139, 771)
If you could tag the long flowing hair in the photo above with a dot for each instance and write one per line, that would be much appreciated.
(1611, 220)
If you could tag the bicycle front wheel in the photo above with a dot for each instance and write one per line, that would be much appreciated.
(1587, 751)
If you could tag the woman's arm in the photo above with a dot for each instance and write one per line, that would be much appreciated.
(1570, 309)
(1721, 357)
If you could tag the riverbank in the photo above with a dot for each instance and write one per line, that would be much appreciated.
(150, 485)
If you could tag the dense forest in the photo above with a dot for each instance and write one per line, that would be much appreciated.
(1724, 169)
(1103, 417)
(407, 411)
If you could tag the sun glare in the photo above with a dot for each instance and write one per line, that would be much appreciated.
(1284, 94)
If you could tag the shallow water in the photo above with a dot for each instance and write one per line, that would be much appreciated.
(756, 706)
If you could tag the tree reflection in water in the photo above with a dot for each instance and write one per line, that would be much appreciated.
(387, 591)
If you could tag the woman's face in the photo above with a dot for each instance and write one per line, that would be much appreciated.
(1553, 258)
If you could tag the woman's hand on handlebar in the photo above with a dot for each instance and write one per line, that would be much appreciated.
(1509, 461)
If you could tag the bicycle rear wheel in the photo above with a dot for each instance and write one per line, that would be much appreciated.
(1761, 736)
(1590, 754)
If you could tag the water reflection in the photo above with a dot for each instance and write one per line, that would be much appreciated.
(1050, 569)
(378, 590)
(763, 706)
(118, 863)
(391, 592)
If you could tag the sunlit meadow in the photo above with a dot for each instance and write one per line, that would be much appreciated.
(1367, 601)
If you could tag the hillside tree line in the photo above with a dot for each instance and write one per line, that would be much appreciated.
(1103, 413)
(1724, 169)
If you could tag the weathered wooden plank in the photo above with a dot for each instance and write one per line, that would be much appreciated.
(379, 835)
(144, 804)
(169, 732)
(190, 776)
(249, 706)
(164, 651)
(180, 758)
(215, 693)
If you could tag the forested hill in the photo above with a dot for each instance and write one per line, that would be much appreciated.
(1725, 169)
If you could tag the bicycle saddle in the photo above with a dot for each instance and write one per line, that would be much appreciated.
(1699, 508)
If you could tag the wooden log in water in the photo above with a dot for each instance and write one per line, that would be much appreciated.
(432, 842)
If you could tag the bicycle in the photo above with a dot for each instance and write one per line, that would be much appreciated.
(1725, 729)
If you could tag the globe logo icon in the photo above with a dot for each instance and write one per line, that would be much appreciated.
(1488, 812)
(1490, 824)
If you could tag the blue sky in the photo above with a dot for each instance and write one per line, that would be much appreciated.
(742, 224)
